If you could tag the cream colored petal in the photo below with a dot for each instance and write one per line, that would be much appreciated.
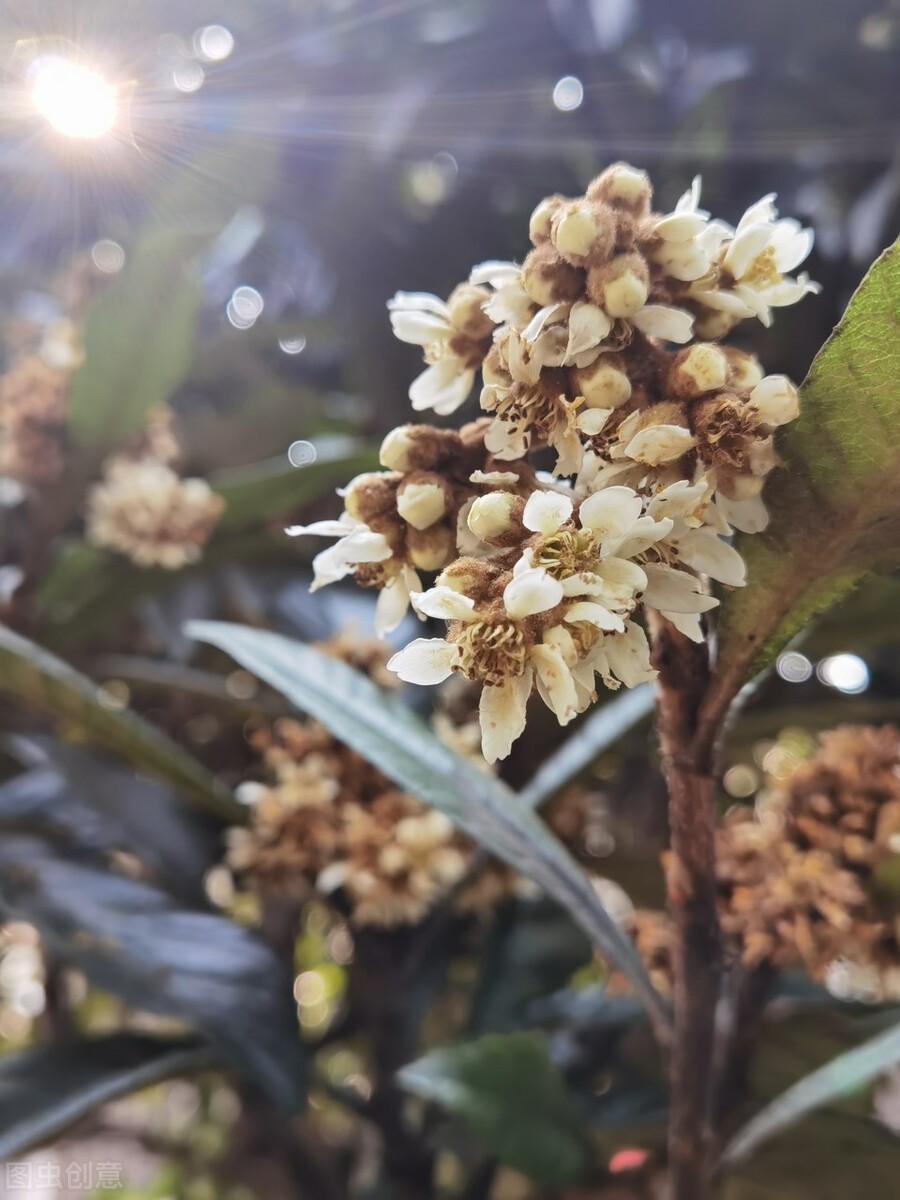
(338, 528)
(506, 442)
(670, 324)
(747, 244)
(532, 591)
(545, 512)
(749, 516)
(680, 500)
(687, 623)
(703, 550)
(555, 683)
(591, 421)
(595, 614)
(792, 245)
(419, 328)
(444, 604)
(660, 444)
(671, 590)
(425, 661)
(495, 272)
(588, 326)
(500, 479)
(418, 302)
(628, 656)
(444, 387)
(502, 711)
(609, 513)
(392, 606)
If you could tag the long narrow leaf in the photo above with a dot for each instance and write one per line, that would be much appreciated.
(835, 1080)
(385, 733)
(600, 731)
(45, 1089)
(39, 677)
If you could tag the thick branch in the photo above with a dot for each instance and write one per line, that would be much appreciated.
(688, 766)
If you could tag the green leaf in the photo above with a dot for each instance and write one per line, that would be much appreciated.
(133, 940)
(836, 1080)
(505, 1087)
(602, 729)
(45, 1089)
(40, 678)
(835, 508)
(387, 734)
(268, 488)
(138, 340)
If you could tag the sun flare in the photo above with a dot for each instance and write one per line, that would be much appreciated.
(74, 99)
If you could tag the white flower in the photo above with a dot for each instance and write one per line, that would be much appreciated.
(427, 321)
(497, 652)
(357, 544)
(757, 261)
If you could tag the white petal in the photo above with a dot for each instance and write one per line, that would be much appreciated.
(444, 603)
(762, 211)
(688, 624)
(494, 478)
(545, 512)
(704, 551)
(680, 500)
(531, 592)
(748, 243)
(749, 516)
(444, 387)
(670, 324)
(321, 529)
(609, 513)
(590, 421)
(659, 444)
(338, 561)
(680, 226)
(392, 606)
(425, 661)
(506, 442)
(418, 302)
(791, 250)
(645, 532)
(628, 655)
(595, 614)
(502, 712)
(541, 319)
(588, 326)
(555, 683)
(419, 328)
(671, 590)
(495, 272)
(723, 300)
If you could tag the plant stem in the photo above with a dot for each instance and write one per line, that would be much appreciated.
(688, 764)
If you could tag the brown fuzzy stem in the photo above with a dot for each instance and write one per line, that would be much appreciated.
(688, 766)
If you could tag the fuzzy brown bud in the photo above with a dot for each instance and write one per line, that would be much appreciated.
(623, 186)
(549, 279)
(621, 286)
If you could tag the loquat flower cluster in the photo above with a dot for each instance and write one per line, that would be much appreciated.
(599, 358)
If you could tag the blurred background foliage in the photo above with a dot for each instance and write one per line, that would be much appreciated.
(285, 167)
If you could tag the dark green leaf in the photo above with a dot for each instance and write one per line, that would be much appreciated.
(138, 340)
(387, 734)
(835, 508)
(590, 739)
(533, 949)
(133, 940)
(46, 1089)
(35, 675)
(268, 488)
(837, 1079)
(505, 1087)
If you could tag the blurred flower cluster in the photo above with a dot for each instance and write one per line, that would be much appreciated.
(799, 874)
(656, 452)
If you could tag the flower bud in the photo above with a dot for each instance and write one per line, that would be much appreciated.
(685, 261)
(395, 450)
(621, 286)
(431, 549)
(703, 367)
(714, 325)
(746, 369)
(580, 231)
(542, 219)
(662, 436)
(493, 370)
(775, 399)
(603, 384)
(368, 494)
(491, 516)
(422, 502)
(549, 279)
(623, 186)
(467, 313)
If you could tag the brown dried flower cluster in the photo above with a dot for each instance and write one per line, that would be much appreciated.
(797, 878)
(33, 410)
